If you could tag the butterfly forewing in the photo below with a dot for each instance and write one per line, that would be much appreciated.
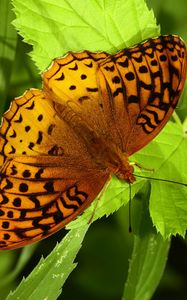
(32, 127)
(142, 85)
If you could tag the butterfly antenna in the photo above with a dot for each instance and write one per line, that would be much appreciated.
(161, 179)
(130, 198)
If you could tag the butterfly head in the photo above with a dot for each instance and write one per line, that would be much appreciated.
(125, 172)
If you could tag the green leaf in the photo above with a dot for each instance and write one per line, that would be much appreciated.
(72, 25)
(166, 155)
(8, 40)
(46, 279)
(149, 255)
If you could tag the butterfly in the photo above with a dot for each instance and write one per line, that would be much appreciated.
(60, 145)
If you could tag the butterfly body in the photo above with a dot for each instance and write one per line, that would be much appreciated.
(60, 145)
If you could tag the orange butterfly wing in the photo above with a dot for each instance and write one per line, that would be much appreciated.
(45, 181)
(72, 82)
(39, 195)
(142, 87)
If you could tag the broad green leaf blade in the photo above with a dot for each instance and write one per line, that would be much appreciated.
(73, 25)
(47, 278)
(171, 213)
(169, 209)
(8, 41)
(148, 258)
(146, 266)
(166, 155)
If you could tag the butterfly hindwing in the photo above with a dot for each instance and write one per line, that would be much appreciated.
(39, 195)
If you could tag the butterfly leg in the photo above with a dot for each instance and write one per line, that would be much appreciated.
(98, 199)
(142, 168)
